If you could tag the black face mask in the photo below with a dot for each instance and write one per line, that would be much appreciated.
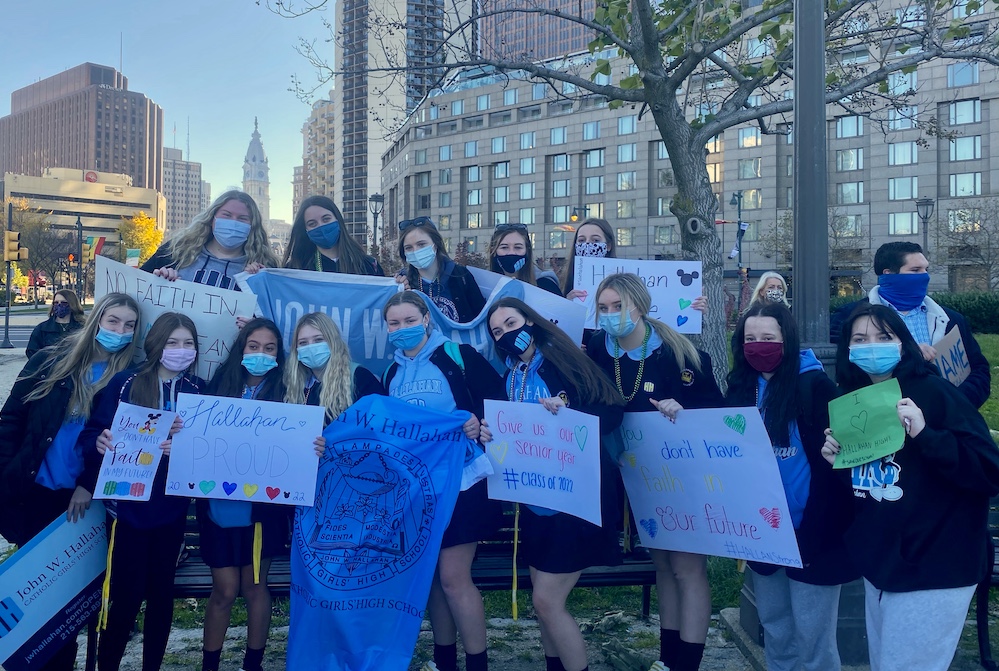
(511, 263)
(514, 343)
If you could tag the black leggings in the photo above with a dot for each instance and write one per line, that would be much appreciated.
(143, 564)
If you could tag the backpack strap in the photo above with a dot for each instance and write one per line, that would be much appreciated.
(386, 376)
(453, 350)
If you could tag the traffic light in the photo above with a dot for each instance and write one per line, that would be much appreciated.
(88, 253)
(12, 249)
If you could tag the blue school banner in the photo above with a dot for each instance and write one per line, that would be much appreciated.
(363, 558)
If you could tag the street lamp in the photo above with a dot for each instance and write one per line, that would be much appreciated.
(577, 214)
(743, 279)
(376, 205)
(924, 208)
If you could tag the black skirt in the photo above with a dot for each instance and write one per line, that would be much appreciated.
(222, 547)
(476, 517)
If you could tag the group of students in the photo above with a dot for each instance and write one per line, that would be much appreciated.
(912, 524)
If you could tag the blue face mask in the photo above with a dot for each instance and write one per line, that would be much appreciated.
(409, 337)
(315, 355)
(230, 233)
(259, 364)
(906, 291)
(325, 236)
(613, 324)
(111, 341)
(422, 258)
(876, 358)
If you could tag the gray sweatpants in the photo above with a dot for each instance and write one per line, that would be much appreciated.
(799, 623)
(915, 630)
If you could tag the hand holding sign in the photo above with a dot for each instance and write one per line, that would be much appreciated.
(952, 359)
(866, 424)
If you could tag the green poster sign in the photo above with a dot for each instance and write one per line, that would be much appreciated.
(865, 423)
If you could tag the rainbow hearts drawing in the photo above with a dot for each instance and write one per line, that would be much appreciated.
(229, 488)
(499, 451)
(250, 490)
(651, 527)
(736, 423)
(206, 486)
(772, 517)
(273, 492)
(580, 432)
(684, 303)
(681, 320)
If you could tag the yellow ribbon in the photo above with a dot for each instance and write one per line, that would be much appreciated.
(627, 525)
(102, 618)
(258, 545)
(516, 545)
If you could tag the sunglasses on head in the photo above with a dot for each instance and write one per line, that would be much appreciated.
(419, 221)
(500, 228)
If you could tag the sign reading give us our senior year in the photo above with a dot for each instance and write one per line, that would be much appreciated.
(546, 460)
(244, 450)
(708, 484)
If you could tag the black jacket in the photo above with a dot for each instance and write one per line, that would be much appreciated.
(471, 387)
(829, 508)
(365, 383)
(463, 290)
(48, 333)
(977, 387)
(929, 528)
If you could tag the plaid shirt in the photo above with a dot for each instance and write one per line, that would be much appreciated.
(916, 322)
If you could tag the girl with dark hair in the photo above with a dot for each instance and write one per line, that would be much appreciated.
(145, 537)
(512, 254)
(920, 534)
(430, 270)
(319, 242)
(239, 538)
(430, 371)
(65, 316)
(546, 367)
(594, 237)
(654, 368)
(798, 608)
(41, 462)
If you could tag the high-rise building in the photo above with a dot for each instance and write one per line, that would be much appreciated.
(536, 37)
(206, 195)
(84, 118)
(256, 174)
(318, 150)
(297, 187)
(182, 186)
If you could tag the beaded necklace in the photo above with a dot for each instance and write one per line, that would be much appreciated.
(641, 365)
(524, 367)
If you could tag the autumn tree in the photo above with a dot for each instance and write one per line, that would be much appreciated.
(46, 245)
(700, 67)
(139, 232)
(967, 241)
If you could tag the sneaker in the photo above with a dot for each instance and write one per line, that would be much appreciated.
(658, 666)
(429, 666)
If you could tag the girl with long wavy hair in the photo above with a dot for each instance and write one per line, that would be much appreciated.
(512, 254)
(594, 237)
(320, 242)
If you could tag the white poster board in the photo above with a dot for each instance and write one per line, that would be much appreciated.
(245, 450)
(128, 471)
(708, 484)
(952, 359)
(213, 310)
(673, 286)
(546, 460)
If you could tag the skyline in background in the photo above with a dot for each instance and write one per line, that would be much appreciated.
(219, 64)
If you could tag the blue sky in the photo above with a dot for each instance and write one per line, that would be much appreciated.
(219, 62)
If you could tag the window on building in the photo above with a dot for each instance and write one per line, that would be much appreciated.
(901, 83)
(559, 135)
(591, 130)
(714, 172)
(471, 149)
(444, 152)
(661, 152)
(789, 165)
(626, 208)
(423, 180)
(457, 107)
(626, 125)
(902, 153)
(964, 219)
(594, 185)
(595, 158)
(501, 194)
(849, 126)
(527, 166)
(966, 184)
(715, 144)
(473, 174)
(593, 210)
(902, 188)
(527, 191)
(499, 145)
(568, 88)
(903, 223)
(666, 235)
(848, 225)
(757, 48)
(966, 148)
(528, 140)
(849, 159)
(444, 176)
(750, 137)
(444, 199)
(902, 118)
(624, 237)
(627, 153)
(560, 188)
(752, 199)
(423, 201)
(474, 196)
(560, 163)
(510, 96)
(966, 8)
(848, 193)
(473, 220)
(626, 181)
(482, 102)
(527, 215)
(665, 177)
(962, 74)
(539, 91)
(501, 217)
(444, 222)
(557, 239)
(750, 167)
(560, 214)
(420, 157)
(965, 111)
(501, 170)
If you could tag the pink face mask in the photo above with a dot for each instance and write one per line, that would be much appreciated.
(177, 360)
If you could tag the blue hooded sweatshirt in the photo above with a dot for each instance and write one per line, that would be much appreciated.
(420, 382)
(792, 462)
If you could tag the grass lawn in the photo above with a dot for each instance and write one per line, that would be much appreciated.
(990, 348)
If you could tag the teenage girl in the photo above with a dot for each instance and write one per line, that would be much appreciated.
(228, 529)
(546, 367)
(429, 269)
(431, 371)
(318, 242)
(41, 464)
(512, 254)
(798, 607)
(654, 368)
(146, 536)
(594, 237)
(65, 316)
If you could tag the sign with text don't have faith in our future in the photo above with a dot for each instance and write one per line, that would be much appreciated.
(245, 450)
(708, 484)
(212, 310)
(545, 460)
(128, 471)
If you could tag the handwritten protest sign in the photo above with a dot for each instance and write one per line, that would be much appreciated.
(213, 310)
(245, 450)
(865, 424)
(673, 286)
(708, 484)
(50, 588)
(128, 471)
(546, 460)
(952, 359)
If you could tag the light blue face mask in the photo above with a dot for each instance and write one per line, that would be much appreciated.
(876, 358)
(612, 323)
(409, 337)
(422, 258)
(315, 355)
(259, 364)
(111, 341)
(230, 233)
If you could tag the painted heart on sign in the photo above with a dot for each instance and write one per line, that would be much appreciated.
(250, 490)
(684, 303)
(302, 423)
(206, 486)
(273, 492)
(580, 432)
(859, 422)
(736, 423)
(183, 413)
(229, 488)
(651, 527)
(499, 451)
(771, 516)
(681, 320)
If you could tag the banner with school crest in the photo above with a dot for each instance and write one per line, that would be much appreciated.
(355, 302)
(363, 558)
